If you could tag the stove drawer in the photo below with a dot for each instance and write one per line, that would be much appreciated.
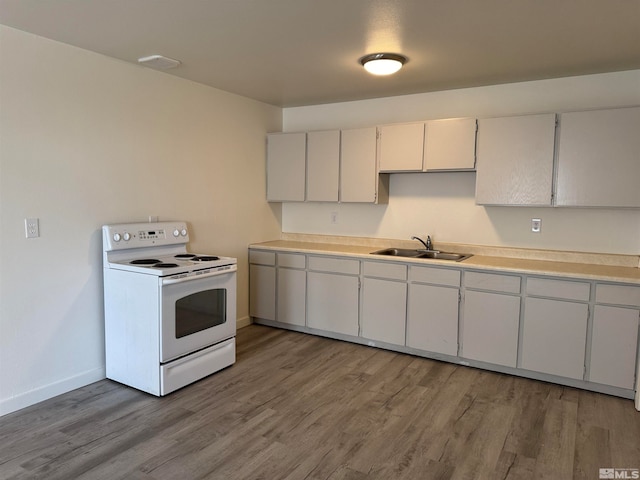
(186, 370)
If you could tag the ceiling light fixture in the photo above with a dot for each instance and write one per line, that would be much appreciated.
(159, 62)
(383, 63)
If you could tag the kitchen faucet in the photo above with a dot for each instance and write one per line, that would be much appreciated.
(428, 245)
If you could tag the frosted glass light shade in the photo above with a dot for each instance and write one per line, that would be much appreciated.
(382, 63)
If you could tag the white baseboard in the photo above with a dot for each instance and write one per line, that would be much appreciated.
(243, 322)
(26, 399)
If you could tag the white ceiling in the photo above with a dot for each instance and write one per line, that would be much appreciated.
(303, 52)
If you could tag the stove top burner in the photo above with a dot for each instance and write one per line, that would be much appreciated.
(145, 261)
(164, 262)
(204, 258)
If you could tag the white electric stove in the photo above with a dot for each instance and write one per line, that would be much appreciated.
(170, 315)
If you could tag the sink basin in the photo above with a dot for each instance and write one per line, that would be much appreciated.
(456, 257)
(398, 252)
(408, 253)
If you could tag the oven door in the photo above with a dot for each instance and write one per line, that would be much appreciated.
(196, 312)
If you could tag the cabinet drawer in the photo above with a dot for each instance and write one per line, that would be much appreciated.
(262, 258)
(334, 265)
(391, 271)
(543, 287)
(618, 294)
(491, 281)
(438, 276)
(292, 260)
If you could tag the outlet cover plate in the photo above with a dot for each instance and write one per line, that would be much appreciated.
(31, 227)
(536, 225)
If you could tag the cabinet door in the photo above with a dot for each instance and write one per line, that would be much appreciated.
(323, 166)
(450, 144)
(554, 337)
(599, 158)
(292, 289)
(614, 345)
(401, 147)
(332, 302)
(358, 171)
(515, 160)
(262, 292)
(490, 328)
(432, 319)
(384, 310)
(286, 159)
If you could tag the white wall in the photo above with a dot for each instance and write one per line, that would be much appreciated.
(87, 140)
(442, 204)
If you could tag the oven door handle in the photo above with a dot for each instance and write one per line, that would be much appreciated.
(188, 278)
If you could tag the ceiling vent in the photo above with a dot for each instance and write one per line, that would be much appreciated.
(159, 62)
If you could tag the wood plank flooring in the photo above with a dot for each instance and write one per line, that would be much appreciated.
(296, 406)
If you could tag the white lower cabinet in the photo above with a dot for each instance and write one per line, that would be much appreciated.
(432, 319)
(384, 310)
(333, 295)
(432, 316)
(554, 337)
(332, 302)
(572, 329)
(490, 327)
(384, 303)
(262, 291)
(292, 288)
(614, 339)
(614, 344)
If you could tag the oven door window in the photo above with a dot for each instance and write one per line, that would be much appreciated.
(200, 311)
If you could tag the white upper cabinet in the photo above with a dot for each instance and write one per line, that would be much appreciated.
(437, 145)
(450, 144)
(286, 167)
(515, 160)
(323, 166)
(401, 147)
(599, 158)
(359, 179)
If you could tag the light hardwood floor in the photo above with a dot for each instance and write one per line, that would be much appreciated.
(295, 406)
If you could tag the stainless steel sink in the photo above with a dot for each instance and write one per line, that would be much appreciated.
(408, 253)
(455, 257)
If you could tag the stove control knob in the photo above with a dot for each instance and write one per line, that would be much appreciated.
(117, 237)
(183, 232)
(126, 236)
(176, 233)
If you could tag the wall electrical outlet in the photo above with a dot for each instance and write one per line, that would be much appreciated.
(334, 217)
(31, 227)
(536, 225)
